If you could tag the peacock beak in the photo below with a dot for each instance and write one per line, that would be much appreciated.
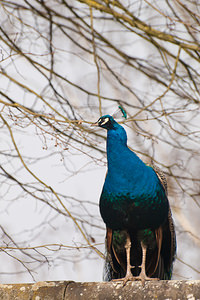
(95, 124)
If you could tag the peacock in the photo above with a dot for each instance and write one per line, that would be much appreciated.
(140, 235)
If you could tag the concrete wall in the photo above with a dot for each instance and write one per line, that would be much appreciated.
(64, 290)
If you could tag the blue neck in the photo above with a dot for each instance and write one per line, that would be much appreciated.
(119, 156)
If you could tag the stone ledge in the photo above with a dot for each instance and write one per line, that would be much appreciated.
(70, 290)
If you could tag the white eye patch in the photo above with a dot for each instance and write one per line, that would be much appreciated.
(105, 121)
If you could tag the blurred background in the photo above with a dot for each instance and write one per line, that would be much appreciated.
(63, 64)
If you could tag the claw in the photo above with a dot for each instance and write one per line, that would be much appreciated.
(129, 277)
(124, 280)
(143, 277)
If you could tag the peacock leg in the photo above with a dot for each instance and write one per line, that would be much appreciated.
(143, 275)
(129, 276)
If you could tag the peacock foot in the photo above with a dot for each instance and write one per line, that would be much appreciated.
(143, 277)
(124, 280)
(129, 277)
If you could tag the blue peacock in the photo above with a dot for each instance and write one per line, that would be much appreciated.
(140, 239)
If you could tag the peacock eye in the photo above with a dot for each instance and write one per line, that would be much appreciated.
(105, 121)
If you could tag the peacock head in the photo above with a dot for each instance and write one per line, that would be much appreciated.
(115, 131)
(107, 122)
